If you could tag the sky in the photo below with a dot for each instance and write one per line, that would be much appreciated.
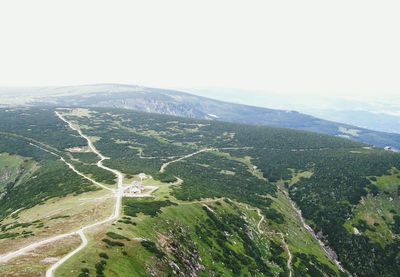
(342, 48)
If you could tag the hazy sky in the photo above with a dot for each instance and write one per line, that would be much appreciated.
(349, 48)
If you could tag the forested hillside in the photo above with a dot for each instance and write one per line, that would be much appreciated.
(341, 174)
(172, 102)
(223, 199)
(22, 133)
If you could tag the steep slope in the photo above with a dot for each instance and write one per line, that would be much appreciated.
(187, 105)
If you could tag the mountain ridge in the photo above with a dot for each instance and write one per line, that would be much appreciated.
(183, 104)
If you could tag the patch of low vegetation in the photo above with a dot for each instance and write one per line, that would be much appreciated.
(152, 247)
(98, 174)
(389, 183)
(165, 178)
(8, 235)
(117, 236)
(127, 221)
(112, 243)
(134, 206)
(100, 266)
(396, 224)
(104, 255)
(84, 272)
(86, 157)
(59, 217)
(309, 266)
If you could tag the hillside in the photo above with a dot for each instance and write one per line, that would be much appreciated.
(182, 104)
(214, 198)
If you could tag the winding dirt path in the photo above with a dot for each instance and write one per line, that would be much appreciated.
(262, 218)
(6, 257)
(164, 166)
(290, 257)
(50, 271)
(118, 192)
(73, 168)
(205, 201)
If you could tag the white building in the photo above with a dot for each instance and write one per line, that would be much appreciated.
(142, 176)
(135, 188)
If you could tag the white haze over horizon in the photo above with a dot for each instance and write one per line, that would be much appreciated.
(295, 49)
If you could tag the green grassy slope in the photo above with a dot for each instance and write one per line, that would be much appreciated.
(214, 237)
(12, 167)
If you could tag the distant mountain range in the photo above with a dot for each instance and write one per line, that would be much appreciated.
(376, 112)
(370, 120)
(183, 104)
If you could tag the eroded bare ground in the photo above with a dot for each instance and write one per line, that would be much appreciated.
(37, 261)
